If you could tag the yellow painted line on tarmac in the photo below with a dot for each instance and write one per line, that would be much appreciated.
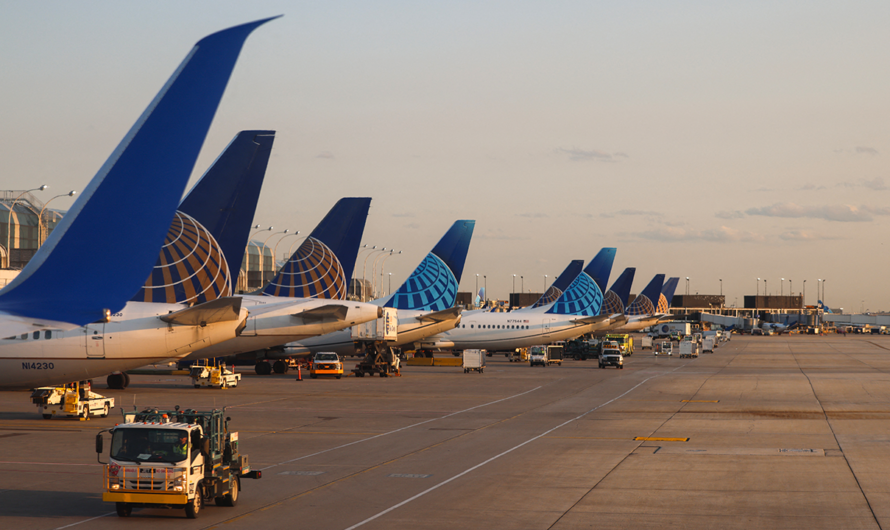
(699, 401)
(311, 432)
(650, 439)
(583, 438)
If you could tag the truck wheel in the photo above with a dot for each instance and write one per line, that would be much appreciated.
(231, 499)
(86, 412)
(123, 509)
(338, 377)
(105, 410)
(194, 506)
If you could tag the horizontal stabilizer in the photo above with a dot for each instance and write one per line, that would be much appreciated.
(591, 320)
(330, 311)
(219, 310)
(441, 316)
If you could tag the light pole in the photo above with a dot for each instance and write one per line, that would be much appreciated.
(782, 287)
(364, 269)
(818, 286)
(790, 287)
(823, 290)
(522, 283)
(545, 284)
(687, 287)
(247, 248)
(389, 289)
(263, 255)
(513, 293)
(721, 286)
(485, 286)
(765, 285)
(282, 239)
(9, 222)
(374, 272)
(804, 301)
(40, 237)
(383, 264)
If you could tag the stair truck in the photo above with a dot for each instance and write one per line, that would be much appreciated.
(173, 459)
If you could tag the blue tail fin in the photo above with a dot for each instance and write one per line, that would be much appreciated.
(645, 303)
(667, 295)
(583, 298)
(615, 300)
(323, 264)
(197, 263)
(433, 284)
(129, 203)
(560, 284)
(824, 307)
(600, 267)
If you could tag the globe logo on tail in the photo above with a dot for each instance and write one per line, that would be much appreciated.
(312, 272)
(582, 298)
(190, 269)
(612, 304)
(431, 287)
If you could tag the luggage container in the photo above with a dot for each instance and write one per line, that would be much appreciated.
(473, 360)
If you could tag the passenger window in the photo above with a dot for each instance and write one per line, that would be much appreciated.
(24, 336)
(471, 326)
(36, 335)
(47, 334)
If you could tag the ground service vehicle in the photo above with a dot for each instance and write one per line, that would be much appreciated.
(646, 342)
(519, 355)
(205, 374)
(326, 363)
(625, 342)
(473, 360)
(72, 400)
(581, 349)
(611, 356)
(555, 353)
(538, 355)
(664, 347)
(173, 458)
(707, 345)
(689, 349)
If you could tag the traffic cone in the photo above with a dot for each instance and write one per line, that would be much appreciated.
(299, 373)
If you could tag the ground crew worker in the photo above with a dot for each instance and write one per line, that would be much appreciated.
(182, 448)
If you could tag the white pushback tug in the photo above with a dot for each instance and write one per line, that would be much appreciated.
(173, 459)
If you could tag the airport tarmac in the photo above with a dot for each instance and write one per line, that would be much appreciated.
(767, 432)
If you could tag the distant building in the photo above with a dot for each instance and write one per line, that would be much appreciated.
(25, 223)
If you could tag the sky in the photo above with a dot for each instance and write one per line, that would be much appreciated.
(709, 140)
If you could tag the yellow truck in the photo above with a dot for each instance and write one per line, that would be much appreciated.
(625, 343)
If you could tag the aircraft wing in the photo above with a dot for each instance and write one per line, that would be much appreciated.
(666, 318)
(441, 316)
(219, 310)
(592, 320)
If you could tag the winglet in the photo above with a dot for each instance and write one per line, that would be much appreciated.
(104, 248)
(322, 265)
(433, 284)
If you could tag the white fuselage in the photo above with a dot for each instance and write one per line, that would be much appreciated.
(635, 323)
(276, 320)
(508, 331)
(134, 337)
(410, 331)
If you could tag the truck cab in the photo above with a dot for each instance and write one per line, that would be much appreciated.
(173, 458)
(326, 363)
(538, 355)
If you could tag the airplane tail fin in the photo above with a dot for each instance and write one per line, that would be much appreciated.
(824, 307)
(583, 297)
(600, 267)
(644, 304)
(197, 262)
(615, 300)
(323, 264)
(560, 284)
(433, 284)
(131, 199)
(667, 295)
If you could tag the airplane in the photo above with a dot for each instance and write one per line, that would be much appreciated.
(576, 312)
(56, 308)
(425, 301)
(559, 285)
(641, 313)
(307, 297)
(615, 300)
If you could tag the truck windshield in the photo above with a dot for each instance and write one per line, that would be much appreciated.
(149, 445)
(326, 357)
(537, 350)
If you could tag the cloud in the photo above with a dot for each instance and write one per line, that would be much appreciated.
(876, 184)
(532, 215)
(843, 213)
(582, 155)
(811, 187)
(866, 150)
(325, 154)
(630, 213)
(804, 235)
(724, 234)
(729, 214)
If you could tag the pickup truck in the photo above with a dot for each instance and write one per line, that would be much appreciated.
(611, 356)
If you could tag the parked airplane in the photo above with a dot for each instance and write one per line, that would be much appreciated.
(137, 189)
(575, 312)
(307, 297)
(642, 311)
(559, 285)
(425, 301)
